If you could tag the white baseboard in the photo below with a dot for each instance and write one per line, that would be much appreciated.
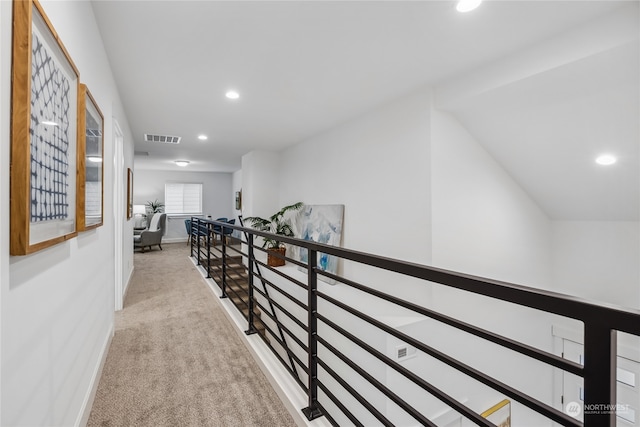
(175, 240)
(126, 285)
(87, 404)
(293, 398)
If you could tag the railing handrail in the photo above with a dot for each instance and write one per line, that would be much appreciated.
(601, 322)
(619, 318)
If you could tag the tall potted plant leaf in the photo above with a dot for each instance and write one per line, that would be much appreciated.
(279, 225)
(155, 206)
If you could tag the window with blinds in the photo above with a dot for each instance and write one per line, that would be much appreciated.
(181, 198)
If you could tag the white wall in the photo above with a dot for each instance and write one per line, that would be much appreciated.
(57, 304)
(260, 183)
(120, 213)
(148, 185)
(598, 260)
(378, 167)
(483, 222)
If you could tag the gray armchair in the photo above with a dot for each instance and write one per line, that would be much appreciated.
(153, 234)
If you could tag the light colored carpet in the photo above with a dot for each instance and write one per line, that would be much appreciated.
(175, 359)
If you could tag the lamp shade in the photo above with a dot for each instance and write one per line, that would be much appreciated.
(139, 209)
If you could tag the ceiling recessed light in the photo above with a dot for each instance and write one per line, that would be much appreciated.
(606, 159)
(467, 5)
(94, 159)
(182, 163)
(232, 94)
(202, 137)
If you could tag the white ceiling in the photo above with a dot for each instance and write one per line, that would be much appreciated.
(303, 67)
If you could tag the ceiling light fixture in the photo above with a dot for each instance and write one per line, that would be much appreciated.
(202, 137)
(182, 163)
(94, 159)
(467, 5)
(606, 159)
(48, 123)
(232, 94)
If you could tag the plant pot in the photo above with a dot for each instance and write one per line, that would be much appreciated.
(274, 261)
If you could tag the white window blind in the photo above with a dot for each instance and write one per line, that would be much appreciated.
(181, 198)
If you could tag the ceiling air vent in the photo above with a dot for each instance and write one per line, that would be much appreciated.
(167, 139)
(141, 153)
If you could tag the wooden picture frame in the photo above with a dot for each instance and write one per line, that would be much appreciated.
(239, 200)
(90, 211)
(129, 193)
(44, 133)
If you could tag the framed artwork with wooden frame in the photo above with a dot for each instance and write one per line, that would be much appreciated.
(129, 193)
(239, 200)
(44, 133)
(90, 159)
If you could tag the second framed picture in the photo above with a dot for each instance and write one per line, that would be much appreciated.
(90, 159)
(129, 193)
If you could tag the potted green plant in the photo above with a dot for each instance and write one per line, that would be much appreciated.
(278, 225)
(155, 206)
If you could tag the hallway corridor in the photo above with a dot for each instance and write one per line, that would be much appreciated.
(175, 360)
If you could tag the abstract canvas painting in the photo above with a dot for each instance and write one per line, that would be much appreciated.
(321, 224)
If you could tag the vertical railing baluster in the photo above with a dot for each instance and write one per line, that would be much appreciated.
(224, 268)
(313, 411)
(600, 349)
(251, 329)
(193, 244)
(190, 237)
(198, 245)
(209, 229)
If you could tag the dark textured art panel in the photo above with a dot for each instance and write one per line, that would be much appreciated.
(50, 139)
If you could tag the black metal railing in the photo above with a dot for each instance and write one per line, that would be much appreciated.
(303, 323)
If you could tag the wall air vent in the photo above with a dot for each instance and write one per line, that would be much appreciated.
(166, 139)
(404, 352)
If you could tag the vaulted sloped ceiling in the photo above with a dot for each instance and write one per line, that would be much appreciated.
(546, 113)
